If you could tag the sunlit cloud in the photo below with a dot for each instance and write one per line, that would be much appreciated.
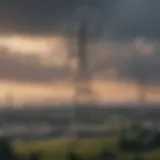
(39, 76)
(144, 47)
(51, 50)
(26, 44)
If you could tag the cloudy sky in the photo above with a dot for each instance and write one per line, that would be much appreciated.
(37, 37)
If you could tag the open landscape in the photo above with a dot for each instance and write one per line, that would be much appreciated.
(86, 148)
(80, 80)
(87, 145)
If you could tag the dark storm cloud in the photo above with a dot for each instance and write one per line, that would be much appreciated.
(136, 18)
(142, 68)
(17, 67)
(121, 18)
(28, 69)
(42, 16)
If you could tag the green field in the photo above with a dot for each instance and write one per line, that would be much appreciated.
(56, 148)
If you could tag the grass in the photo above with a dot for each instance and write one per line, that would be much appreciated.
(56, 148)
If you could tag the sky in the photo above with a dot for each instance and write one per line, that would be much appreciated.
(38, 47)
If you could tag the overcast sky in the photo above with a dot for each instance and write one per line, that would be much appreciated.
(118, 20)
(122, 18)
(122, 28)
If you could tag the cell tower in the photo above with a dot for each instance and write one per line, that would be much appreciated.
(83, 94)
(83, 84)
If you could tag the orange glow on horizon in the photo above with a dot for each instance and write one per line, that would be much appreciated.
(106, 91)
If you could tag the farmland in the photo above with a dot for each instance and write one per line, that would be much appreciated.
(57, 148)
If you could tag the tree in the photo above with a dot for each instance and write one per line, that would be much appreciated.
(6, 151)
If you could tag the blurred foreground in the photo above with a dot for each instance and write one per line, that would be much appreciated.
(96, 149)
(115, 133)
